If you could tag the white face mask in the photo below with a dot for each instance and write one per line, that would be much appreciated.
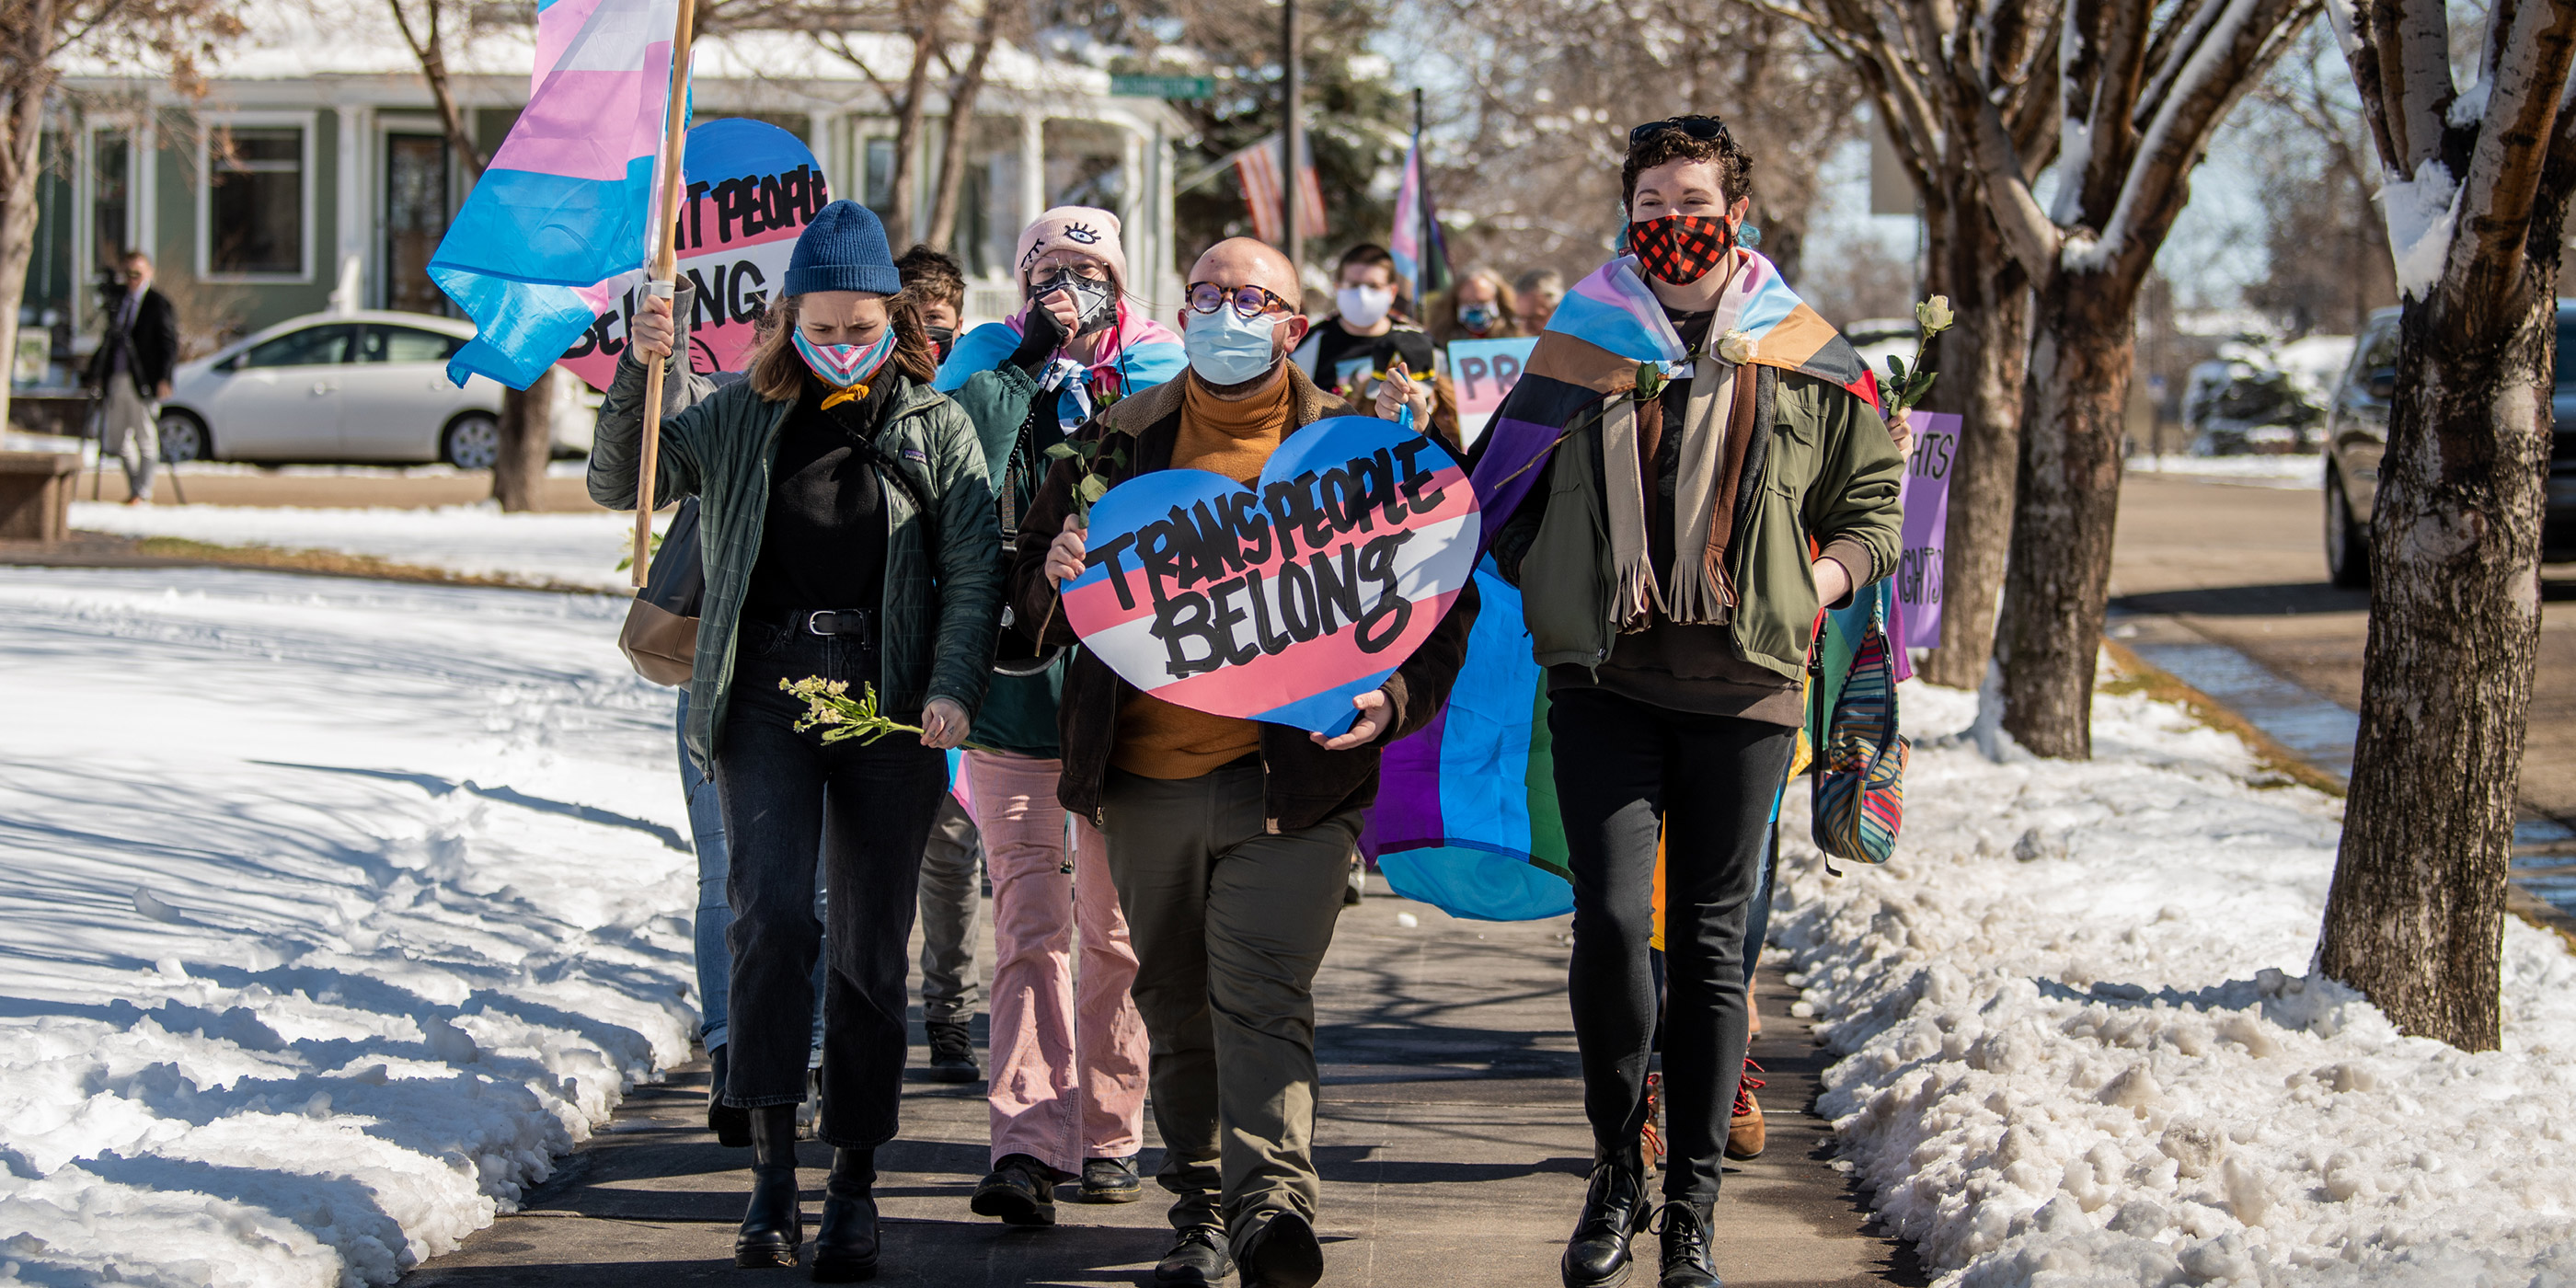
(1364, 305)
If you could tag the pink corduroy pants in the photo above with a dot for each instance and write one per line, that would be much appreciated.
(1068, 1048)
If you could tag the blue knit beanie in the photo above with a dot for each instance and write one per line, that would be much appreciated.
(843, 249)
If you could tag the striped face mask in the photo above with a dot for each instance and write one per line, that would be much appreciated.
(845, 367)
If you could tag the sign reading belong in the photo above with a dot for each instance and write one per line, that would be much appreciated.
(1284, 600)
(751, 189)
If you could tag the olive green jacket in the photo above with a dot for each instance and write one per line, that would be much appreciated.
(1828, 470)
(941, 601)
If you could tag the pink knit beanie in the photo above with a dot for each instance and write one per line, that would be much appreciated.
(1092, 231)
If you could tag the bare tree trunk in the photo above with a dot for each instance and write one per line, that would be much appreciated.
(432, 53)
(2059, 580)
(1982, 362)
(961, 123)
(2416, 915)
(22, 116)
(527, 443)
(927, 35)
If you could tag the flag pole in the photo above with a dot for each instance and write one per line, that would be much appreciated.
(665, 267)
(1422, 212)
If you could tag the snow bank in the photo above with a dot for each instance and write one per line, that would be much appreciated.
(2281, 471)
(2082, 1049)
(568, 549)
(337, 911)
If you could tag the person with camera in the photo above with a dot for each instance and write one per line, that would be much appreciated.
(846, 521)
(1067, 1087)
(131, 370)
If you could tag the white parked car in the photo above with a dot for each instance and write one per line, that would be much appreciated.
(364, 386)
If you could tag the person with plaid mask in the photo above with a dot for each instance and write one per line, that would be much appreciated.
(1725, 474)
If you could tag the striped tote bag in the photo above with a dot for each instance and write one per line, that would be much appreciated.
(1860, 769)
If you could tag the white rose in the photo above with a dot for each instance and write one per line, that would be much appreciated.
(1738, 347)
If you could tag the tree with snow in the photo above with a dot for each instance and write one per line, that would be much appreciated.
(2474, 184)
(1909, 66)
(2140, 90)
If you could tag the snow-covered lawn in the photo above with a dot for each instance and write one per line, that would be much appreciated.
(2083, 1048)
(336, 911)
(2307, 471)
(568, 549)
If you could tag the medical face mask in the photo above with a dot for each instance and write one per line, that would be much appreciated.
(1681, 249)
(845, 367)
(1364, 305)
(1226, 348)
(1095, 302)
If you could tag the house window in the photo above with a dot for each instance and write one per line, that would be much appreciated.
(255, 201)
(111, 162)
(879, 155)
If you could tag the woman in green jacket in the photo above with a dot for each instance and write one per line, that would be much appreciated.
(847, 524)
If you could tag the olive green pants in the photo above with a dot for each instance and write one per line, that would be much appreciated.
(1229, 923)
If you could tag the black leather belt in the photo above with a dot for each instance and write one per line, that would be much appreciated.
(861, 622)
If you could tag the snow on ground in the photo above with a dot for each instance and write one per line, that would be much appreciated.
(570, 549)
(2281, 471)
(2082, 1047)
(336, 911)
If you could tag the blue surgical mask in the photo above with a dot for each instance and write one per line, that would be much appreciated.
(1226, 348)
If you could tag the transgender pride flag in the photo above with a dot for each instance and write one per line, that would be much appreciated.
(1421, 254)
(560, 221)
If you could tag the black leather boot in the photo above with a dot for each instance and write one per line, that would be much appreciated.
(1614, 1210)
(732, 1126)
(845, 1248)
(1685, 1247)
(775, 1224)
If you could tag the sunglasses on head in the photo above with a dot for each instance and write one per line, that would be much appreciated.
(1249, 301)
(1704, 128)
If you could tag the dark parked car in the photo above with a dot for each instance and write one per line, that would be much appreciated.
(2357, 432)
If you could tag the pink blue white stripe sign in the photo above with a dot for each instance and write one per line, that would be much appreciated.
(1283, 600)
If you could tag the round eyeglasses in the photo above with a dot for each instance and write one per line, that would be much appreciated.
(1249, 301)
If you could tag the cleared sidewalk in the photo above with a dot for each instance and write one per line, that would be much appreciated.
(1450, 1138)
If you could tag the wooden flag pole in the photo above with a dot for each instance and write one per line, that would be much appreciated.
(665, 269)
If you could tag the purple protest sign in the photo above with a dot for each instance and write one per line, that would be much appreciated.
(1926, 498)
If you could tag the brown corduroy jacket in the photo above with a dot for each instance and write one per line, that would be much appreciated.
(1302, 784)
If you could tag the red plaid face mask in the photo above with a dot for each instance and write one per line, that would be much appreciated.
(1681, 249)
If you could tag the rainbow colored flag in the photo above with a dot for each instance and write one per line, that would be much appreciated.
(1466, 816)
(560, 222)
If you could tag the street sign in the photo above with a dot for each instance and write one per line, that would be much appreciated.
(1163, 86)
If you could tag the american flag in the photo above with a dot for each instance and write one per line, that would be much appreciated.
(1257, 168)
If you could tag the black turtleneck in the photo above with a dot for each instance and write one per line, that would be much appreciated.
(823, 544)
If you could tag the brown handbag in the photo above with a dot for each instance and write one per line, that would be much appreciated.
(660, 638)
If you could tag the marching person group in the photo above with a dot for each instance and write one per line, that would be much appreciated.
(877, 504)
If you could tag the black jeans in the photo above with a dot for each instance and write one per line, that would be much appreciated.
(867, 811)
(1620, 764)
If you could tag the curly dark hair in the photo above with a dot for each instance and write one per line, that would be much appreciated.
(1734, 164)
(932, 277)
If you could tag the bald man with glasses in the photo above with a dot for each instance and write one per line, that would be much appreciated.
(1229, 839)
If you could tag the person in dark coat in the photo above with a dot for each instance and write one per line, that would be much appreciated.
(131, 371)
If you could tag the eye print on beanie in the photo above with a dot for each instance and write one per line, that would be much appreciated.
(1082, 234)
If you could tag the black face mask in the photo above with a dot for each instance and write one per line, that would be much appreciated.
(943, 340)
(1095, 303)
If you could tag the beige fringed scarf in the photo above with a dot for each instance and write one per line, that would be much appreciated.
(1697, 589)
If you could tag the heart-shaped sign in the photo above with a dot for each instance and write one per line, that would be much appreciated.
(1284, 600)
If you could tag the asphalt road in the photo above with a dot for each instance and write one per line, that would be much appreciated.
(2244, 567)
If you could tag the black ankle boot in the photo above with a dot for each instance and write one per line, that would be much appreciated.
(1685, 1247)
(845, 1247)
(775, 1224)
(1614, 1210)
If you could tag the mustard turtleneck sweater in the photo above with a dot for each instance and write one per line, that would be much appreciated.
(1155, 738)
